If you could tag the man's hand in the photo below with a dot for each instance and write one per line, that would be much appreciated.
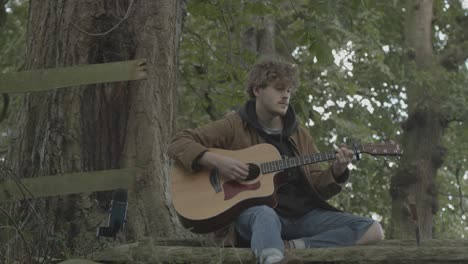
(229, 168)
(344, 156)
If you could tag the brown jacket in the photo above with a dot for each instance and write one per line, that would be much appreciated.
(233, 133)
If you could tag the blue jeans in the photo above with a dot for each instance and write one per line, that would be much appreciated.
(265, 229)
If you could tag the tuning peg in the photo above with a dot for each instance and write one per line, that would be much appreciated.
(356, 151)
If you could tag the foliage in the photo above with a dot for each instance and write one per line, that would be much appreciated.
(13, 36)
(12, 52)
(354, 80)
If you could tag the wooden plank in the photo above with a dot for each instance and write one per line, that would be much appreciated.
(63, 184)
(48, 79)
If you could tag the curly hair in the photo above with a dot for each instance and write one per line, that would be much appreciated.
(264, 73)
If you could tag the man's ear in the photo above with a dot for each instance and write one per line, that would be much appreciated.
(256, 90)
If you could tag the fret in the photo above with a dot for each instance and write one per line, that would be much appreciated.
(286, 163)
(278, 165)
(290, 162)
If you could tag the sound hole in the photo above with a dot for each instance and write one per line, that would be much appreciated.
(254, 172)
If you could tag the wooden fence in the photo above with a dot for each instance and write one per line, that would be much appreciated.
(49, 79)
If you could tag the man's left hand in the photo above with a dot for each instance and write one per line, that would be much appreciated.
(344, 156)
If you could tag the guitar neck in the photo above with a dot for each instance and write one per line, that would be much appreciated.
(283, 164)
(383, 149)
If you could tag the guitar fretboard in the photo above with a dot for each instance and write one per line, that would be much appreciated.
(283, 164)
(383, 149)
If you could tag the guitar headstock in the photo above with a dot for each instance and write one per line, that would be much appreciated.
(390, 148)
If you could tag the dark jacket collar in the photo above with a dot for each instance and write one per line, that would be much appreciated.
(249, 115)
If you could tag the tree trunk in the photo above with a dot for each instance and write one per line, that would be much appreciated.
(423, 131)
(260, 38)
(102, 126)
(3, 14)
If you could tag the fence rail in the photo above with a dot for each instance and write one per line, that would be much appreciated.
(11, 190)
(48, 79)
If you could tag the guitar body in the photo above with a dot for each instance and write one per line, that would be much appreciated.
(205, 203)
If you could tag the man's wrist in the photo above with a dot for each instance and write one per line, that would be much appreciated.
(208, 159)
(340, 178)
(334, 174)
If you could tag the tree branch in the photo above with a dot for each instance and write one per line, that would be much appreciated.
(454, 56)
(454, 195)
(460, 192)
(456, 51)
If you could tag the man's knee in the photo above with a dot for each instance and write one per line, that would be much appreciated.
(260, 213)
(257, 218)
(260, 210)
(374, 234)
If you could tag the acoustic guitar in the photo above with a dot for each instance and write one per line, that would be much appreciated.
(205, 202)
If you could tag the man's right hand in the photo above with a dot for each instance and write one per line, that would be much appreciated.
(229, 168)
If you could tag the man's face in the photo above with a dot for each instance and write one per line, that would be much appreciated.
(274, 98)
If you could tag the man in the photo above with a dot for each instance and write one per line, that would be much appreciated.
(303, 218)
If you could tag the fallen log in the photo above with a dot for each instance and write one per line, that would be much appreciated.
(396, 252)
(389, 242)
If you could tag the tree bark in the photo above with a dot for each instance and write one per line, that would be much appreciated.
(414, 183)
(260, 38)
(101, 126)
(3, 14)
